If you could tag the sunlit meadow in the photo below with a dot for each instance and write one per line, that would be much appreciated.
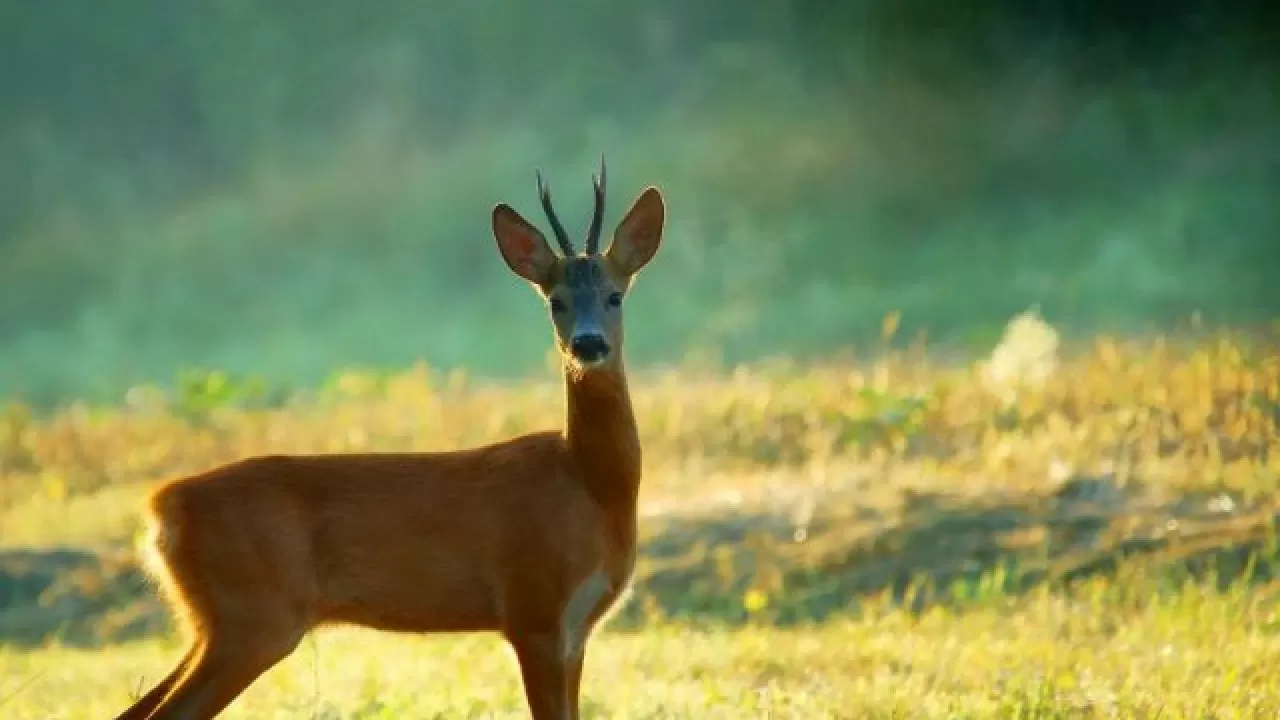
(1044, 533)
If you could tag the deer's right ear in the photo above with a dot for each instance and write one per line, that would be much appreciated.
(523, 247)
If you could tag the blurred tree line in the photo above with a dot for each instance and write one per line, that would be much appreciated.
(187, 94)
(892, 137)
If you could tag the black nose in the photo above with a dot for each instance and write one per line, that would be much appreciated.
(589, 348)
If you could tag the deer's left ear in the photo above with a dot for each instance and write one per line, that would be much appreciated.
(638, 236)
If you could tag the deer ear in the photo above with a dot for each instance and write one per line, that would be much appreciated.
(523, 247)
(636, 240)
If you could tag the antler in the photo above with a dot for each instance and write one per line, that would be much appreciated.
(597, 216)
(562, 238)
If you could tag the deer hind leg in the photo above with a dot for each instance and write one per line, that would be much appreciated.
(244, 613)
(241, 631)
(226, 662)
(142, 708)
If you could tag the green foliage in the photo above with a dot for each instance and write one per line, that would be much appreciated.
(198, 393)
(284, 190)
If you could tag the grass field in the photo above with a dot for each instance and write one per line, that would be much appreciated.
(1029, 536)
(1193, 656)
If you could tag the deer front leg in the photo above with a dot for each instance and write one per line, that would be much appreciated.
(576, 622)
(574, 682)
(544, 670)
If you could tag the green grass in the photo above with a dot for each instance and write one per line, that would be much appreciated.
(1193, 655)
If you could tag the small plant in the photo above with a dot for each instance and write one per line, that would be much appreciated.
(199, 393)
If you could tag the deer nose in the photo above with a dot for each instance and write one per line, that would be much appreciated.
(589, 348)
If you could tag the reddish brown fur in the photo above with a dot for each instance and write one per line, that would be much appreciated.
(254, 554)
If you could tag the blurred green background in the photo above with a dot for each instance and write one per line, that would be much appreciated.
(291, 187)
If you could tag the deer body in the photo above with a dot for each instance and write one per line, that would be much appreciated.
(533, 537)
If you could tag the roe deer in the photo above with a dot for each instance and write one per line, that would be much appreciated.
(533, 538)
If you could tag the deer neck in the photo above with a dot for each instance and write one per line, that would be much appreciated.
(600, 431)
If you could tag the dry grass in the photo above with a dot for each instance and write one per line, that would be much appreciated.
(1027, 537)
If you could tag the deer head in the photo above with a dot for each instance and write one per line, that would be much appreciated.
(584, 291)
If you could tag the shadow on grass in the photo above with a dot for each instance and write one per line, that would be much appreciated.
(943, 550)
(763, 567)
(75, 596)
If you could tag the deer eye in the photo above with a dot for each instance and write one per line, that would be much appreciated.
(615, 299)
(557, 305)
